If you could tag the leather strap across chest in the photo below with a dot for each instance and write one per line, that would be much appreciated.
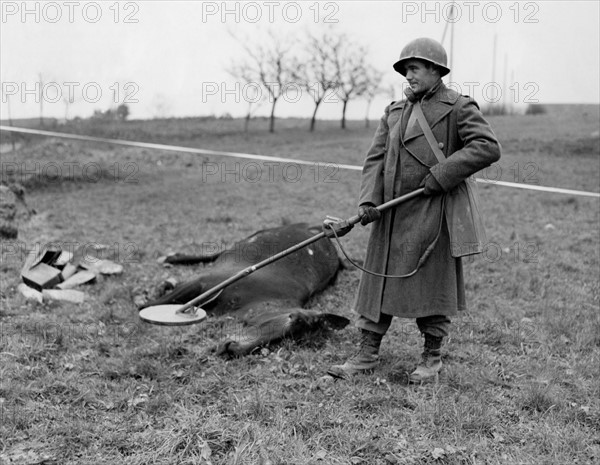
(420, 117)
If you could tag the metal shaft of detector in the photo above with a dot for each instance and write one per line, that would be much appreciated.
(392, 203)
(251, 269)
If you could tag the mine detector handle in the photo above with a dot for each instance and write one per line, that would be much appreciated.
(341, 224)
(211, 294)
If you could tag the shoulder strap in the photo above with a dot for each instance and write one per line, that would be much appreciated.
(418, 111)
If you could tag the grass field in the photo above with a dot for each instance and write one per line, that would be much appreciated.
(90, 384)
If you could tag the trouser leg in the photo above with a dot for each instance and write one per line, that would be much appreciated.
(435, 325)
(380, 327)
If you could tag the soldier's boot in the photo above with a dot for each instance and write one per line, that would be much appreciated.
(367, 357)
(431, 360)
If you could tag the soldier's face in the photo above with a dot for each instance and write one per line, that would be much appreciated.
(420, 77)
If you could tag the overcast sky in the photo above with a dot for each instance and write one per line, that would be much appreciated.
(170, 58)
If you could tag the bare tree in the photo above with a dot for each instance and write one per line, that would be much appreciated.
(68, 100)
(272, 65)
(253, 101)
(318, 72)
(373, 79)
(351, 72)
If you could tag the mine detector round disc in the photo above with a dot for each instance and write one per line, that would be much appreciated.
(168, 315)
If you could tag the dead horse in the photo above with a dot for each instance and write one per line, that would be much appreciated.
(269, 301)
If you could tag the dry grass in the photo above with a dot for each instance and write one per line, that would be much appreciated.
(91, 384)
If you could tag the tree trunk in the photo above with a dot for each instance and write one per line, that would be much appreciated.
(367, 122)
(314, 116)
(272, 119)
(248, 116)
(344, 114)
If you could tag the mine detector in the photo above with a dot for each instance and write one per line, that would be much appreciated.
(192, 312)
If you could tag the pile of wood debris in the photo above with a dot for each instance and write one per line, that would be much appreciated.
(52, 273)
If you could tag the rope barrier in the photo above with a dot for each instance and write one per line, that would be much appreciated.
(175, 148)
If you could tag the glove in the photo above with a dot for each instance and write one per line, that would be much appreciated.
(368, 213)
(432, 187)
(341, 227)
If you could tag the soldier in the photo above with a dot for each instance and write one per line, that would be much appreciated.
(435, 139)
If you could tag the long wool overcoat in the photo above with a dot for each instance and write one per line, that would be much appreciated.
(413, 239)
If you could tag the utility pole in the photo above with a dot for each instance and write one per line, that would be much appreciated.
(41, 81)
(451, 43)
(450, 23)
(512, 80)
(446, 27)
(504, 88)
(10, 123)
(494, 61)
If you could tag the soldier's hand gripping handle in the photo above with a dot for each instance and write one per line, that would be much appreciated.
(368, 213)
(340, 226)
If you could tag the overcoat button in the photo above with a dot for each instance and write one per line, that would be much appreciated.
(441, 145)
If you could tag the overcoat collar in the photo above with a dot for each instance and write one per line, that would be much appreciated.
(436, 106)
(441, 94)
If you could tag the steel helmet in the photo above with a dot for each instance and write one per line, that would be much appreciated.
(423, 49)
